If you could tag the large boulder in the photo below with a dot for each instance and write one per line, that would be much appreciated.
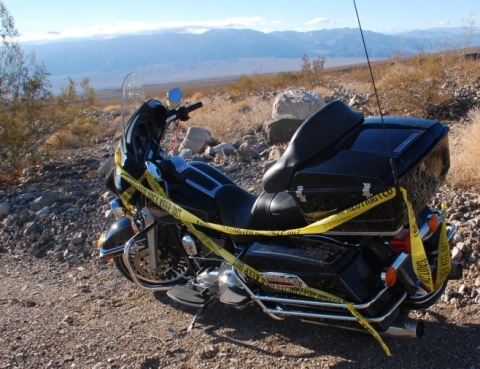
(299, 103)
(196, 140)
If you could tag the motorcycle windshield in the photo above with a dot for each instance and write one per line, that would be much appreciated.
(133, 96)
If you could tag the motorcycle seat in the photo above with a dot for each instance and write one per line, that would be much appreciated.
(317, 133)
(269, 211)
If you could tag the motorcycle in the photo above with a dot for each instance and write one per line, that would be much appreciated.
(341, 235)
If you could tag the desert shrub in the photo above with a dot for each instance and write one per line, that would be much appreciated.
(465, 161)
(423, 85)
(72, 118)
(23, 98)
(311, 74)
(29, 113)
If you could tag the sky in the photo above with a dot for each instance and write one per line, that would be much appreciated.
(56, 19)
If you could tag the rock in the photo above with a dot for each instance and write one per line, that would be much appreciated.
(456, 216)
(196, 139)
(456, 254)
(5, 209)
(47, 199)
(29, 228)
(106, 167)
(78, 238)
(9, 221)
(281, 128)
(246, 152)
(477, 281)
(276, 153)
(232, 168)
(186, 153)
(225, 148)
(299, 103)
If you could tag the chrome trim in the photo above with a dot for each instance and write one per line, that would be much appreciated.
(453, 229)
(153, 170)
(116, 250)
(188, 243)
(319, 304)
(348, 317)
(152, 239)
(366, 190)
(405, 327)
(300, 195)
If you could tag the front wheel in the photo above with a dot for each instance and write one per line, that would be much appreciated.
(172, 268)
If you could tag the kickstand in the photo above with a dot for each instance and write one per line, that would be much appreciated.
(199, 312)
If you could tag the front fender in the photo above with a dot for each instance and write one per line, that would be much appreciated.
(112, 242)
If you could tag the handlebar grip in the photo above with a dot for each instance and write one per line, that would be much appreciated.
(195, 106)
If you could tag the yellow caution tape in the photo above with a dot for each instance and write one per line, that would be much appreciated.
(421, 265)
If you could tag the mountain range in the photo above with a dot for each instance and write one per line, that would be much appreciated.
(168, 56)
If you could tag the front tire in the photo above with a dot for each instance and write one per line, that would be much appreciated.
(173, 268)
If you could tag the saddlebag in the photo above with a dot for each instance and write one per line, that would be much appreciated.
(359, 166)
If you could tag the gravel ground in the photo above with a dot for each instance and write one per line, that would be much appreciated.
(63, 307)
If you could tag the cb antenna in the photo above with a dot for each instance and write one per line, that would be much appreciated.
(387, 140)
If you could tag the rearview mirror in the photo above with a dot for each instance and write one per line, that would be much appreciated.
(175, 95)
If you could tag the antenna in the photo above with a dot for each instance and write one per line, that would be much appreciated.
(387, 140)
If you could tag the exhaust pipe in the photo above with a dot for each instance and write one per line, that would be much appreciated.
(405, 327)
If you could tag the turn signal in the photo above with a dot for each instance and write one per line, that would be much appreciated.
(389, 276)
(433, 223)
(101, 239)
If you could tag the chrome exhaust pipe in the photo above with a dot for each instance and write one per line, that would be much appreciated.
(405, 327)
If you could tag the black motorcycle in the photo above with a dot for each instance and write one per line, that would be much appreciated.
(341, 235)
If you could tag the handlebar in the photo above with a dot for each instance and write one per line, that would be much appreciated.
(182, 112)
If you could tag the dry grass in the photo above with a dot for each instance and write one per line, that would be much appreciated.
(465, 158)
(228, 119)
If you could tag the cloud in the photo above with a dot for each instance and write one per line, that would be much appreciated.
(320, 20)
(444, 23)
(128, 28)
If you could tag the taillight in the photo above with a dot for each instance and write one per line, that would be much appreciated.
(401, 241)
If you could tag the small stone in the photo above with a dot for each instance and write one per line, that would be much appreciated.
(477, 281)
(77, 239)
(456, 216)
(456, 254)
(5, 208)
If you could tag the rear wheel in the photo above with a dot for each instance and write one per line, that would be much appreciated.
(424, 302)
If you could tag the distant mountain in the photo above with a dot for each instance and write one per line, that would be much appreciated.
(168, 57)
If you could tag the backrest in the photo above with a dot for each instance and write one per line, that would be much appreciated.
(318, 132)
